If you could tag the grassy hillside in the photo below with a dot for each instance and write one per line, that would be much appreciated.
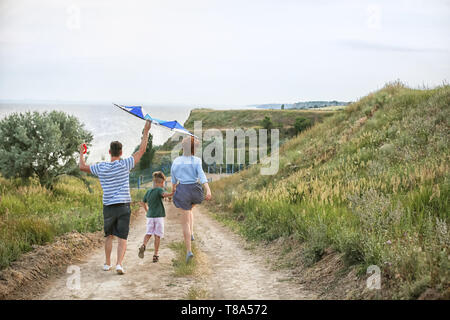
(33, 215)
(251, 118)
(241, 119)
(371, 182)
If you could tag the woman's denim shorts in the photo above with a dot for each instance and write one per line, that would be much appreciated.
(187, 195)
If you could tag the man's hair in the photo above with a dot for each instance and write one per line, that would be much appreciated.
(159, 177)
(115, 148)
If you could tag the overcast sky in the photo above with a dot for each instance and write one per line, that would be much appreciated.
(218, 52)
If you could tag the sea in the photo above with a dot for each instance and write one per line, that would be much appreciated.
(108, 123)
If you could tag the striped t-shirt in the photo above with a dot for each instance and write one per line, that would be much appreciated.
(115, 180)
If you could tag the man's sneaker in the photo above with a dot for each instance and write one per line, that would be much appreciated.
(189, 256)
(141, 252)
(192, 237)
(119, 269)
(106, 267)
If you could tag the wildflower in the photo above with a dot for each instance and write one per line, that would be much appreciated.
(389, 242)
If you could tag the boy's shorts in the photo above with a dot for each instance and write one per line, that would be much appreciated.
(116, 220)
(155, 226)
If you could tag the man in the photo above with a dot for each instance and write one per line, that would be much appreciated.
(115, 180)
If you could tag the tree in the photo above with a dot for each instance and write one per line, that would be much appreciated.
(166, 163)
(301, 123)
(267, 123)
(147, 157)
(45, 145)
(282, 107)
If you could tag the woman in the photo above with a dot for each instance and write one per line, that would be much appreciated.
(187, 180)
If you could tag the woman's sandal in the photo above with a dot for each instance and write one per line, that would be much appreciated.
(155, 258)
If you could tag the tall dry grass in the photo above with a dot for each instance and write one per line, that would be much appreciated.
(371, 181)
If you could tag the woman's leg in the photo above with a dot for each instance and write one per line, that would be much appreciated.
(191, 217)
(186, 225)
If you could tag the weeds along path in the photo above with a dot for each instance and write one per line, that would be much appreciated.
(237, 272)
(227, 269)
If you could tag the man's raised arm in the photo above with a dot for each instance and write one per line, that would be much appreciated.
(82, 164)
(138, 154)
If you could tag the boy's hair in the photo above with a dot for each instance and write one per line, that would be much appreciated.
(159, 177)
(115, 148)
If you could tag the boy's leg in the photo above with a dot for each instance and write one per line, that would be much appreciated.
(144, 244)
(108, 249)
(157, 242)
(146, 238)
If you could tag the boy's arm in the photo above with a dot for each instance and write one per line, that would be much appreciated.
(145, 207)
(166, 194)
(82, 164)
(169, 194)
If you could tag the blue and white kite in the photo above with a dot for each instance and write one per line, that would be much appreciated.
(137, 111)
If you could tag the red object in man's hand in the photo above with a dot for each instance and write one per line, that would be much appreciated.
(85, 148)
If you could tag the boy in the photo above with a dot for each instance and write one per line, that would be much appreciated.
(155, 213)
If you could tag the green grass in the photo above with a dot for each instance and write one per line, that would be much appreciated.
(33, 215)
(181, 268)
(196, 293)
(371, 181)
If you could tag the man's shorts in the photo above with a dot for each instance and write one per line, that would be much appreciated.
(188, 194)
(155, 226)
(116, 220)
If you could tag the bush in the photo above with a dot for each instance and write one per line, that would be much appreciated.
(301, 123)
(40, 144)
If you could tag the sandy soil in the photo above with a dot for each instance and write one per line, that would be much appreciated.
(230, 270)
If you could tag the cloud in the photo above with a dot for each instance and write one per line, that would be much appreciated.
(374, 46)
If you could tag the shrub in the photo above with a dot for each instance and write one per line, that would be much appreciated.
(41, 144)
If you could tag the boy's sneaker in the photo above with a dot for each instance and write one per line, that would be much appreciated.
(119, 269)
(141, 252)
(189, 256)
(192, 237)
(106, 267)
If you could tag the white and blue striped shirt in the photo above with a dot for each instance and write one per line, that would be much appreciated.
(115, 180)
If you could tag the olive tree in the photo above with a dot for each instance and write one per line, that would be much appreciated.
(44, 145)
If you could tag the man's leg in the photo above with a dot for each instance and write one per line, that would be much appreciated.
(122, 228)
(121, 249)
(108, 249)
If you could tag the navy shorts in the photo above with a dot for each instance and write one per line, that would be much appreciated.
(187, 195)
(116, 220)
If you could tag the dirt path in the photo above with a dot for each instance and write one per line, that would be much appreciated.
(233, 272)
